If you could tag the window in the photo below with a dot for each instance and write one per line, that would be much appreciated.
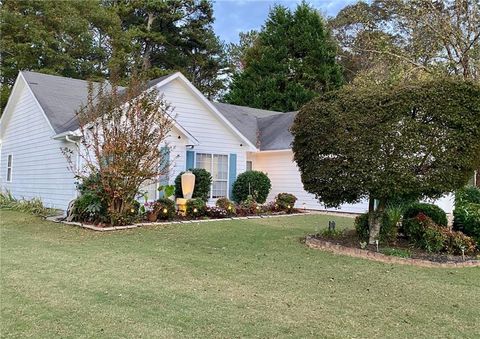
(9, 167)
(217, 165)
(249, 165)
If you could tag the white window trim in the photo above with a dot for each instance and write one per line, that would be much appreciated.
(211, 166)
(9, 168)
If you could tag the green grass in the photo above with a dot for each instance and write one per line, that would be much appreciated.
(242, 278)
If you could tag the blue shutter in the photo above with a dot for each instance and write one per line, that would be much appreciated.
(190, 160)
(232, 173)
(165, 164)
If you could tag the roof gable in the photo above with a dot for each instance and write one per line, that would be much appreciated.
(61, 97)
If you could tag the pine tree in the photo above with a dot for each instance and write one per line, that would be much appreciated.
(176, 35)
(65, 38)
(292, 61)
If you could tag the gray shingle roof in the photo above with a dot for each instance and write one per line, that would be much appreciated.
(61, 97)
(268, 130)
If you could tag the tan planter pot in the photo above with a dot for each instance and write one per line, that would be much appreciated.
(188, 184)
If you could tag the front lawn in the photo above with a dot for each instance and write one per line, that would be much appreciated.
(241, 278)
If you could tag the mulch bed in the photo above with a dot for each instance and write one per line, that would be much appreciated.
(349, 244)
(177, 220)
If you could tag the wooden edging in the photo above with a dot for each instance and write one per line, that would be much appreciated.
(57, 219)
(365, 254)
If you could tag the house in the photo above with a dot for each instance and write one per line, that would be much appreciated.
(39, 120)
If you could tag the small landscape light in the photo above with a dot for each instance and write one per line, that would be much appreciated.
(195, 210)
(165, 211)
(288, 207)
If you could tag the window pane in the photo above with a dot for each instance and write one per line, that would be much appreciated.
(220, 167)
(9, 174)
(204, 161)
(249, 165)
(9, 161)
(219, 189)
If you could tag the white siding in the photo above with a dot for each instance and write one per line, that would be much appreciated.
(285, 177)
(39, 167)
(194, 116)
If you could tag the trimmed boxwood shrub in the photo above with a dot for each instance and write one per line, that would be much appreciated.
(203, 181)
(166, 209)
(432, 211)
(196, 208)
(285, 201)
(251, 183)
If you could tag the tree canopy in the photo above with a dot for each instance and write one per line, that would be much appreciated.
(90, 39)
(291, 61)
(57, 37)
(401, 38)
(418, 140)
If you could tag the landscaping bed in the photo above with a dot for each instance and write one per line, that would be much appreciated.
(348, 243)
(178, 219)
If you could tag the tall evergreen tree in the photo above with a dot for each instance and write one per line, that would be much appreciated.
(174, 35)
(67, 38)
(292, 61)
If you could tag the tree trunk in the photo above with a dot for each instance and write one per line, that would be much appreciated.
(376, 218)
(148, 44)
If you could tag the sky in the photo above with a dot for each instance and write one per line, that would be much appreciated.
(235, 16)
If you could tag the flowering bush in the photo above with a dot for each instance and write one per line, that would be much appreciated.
(149, 206)
(285, 202)
(227, 205)
(217, 212)
(424, 233)
(248, 207)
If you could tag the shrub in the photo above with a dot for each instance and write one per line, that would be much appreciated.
(91, 205)
(203, 181)
(285, 202)
(227, 205)
(361, 226)
(331, 234)
(424, 233)
(251, 183)
(166, 208)
(388, 229)
(434, 212)
(217, 212)
(196, 208)
(457, 241)
(248, 207)
(467, 212)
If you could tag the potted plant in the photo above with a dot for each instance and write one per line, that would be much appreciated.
(151, 211)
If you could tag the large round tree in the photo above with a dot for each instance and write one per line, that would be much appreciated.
(418, 140)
